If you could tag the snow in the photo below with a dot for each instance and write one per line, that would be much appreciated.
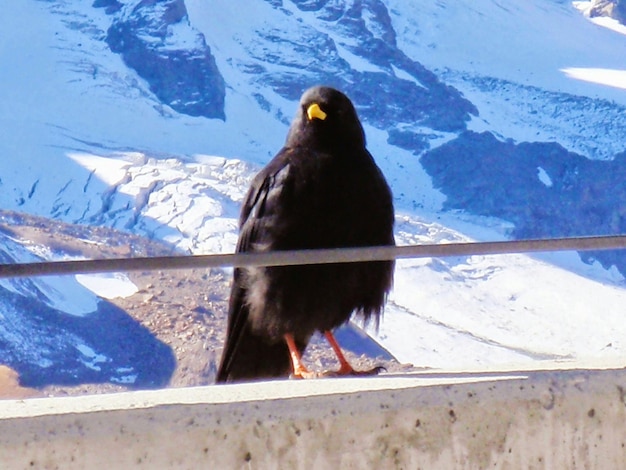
(544, 177)
(521, 64)
(603, 21)
(527, 42)
(405, 76)
(492, 306)
(67, 296)
(108, 285)
(90, 358)
(84, 140)
(609, 77)
(124, 379)
(484, 310)
(108, 170)
(358, 63)
(55, 291)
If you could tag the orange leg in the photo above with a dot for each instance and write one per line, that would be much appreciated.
(299, 370)
(344, 366)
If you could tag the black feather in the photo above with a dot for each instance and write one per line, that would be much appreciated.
(322, 190)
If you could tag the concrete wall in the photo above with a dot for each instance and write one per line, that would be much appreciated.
(552, 419)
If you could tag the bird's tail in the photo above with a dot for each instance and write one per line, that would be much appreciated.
(252, 357)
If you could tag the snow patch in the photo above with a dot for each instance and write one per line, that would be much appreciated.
(609, 77)
(108, 285)
(406, 76)
(124, 379)
(67, 296)
(90, 358)
(544, 177)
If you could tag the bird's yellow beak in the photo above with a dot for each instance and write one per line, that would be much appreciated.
(315, 112)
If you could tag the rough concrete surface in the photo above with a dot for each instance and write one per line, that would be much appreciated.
(533, 419)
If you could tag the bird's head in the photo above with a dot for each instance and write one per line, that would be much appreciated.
(326, 119)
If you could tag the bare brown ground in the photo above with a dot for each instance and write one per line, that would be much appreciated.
(185, 309)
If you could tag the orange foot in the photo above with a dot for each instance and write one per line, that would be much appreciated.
(299, 369)
(304, 373)
(345, 369)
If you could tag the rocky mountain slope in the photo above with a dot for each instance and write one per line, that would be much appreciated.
(169, 332)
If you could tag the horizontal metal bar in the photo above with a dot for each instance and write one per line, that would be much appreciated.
(302, 257)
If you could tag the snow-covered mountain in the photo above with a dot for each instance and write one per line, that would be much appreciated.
(490, 120)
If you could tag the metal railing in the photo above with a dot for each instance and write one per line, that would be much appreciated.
(322, 256)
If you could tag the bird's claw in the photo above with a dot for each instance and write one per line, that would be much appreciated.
(343, 372)
(304, 374)
(311, 375)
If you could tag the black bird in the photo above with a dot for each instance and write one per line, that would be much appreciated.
(322, 190)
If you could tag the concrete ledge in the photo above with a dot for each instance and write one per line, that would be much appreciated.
(552, 419)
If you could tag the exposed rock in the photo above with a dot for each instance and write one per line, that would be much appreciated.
(182, 73)
(612, 8)
(542, 188)
(393, 88)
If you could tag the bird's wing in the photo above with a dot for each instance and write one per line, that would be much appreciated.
(246, 354)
